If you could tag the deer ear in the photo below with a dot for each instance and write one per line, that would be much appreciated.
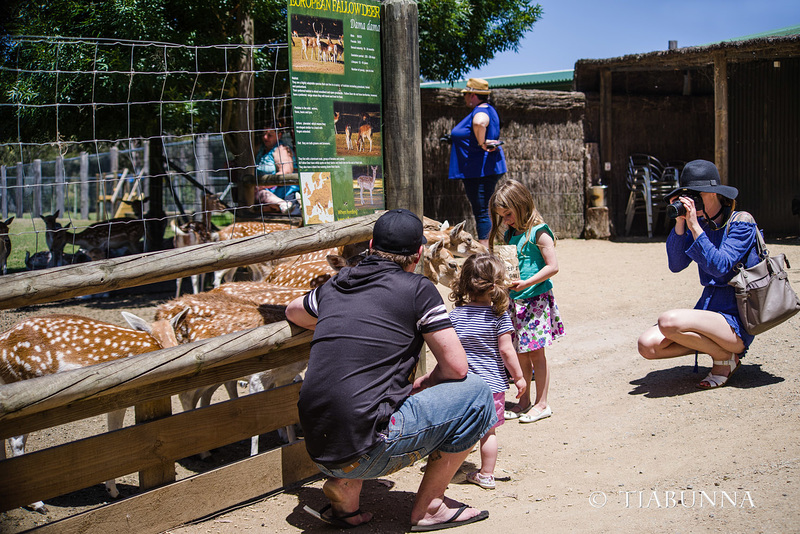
(136, 322)
(445, 225)
(176, 321)
(336, 261)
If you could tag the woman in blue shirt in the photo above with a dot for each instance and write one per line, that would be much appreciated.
(475, 156)
(707, 235)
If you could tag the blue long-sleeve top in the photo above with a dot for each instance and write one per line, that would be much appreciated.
(716, 253)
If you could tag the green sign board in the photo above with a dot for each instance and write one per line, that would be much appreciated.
(335, 68)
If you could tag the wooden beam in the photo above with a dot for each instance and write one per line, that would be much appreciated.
(154, 445)
(113, 379)
(606, 114)
(98, 405)
(192, 498)
(721, 114)
(48, 285)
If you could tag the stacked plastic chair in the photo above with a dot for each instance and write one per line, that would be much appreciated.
(648, 181)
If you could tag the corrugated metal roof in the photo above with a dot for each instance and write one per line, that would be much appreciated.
(790, 30)
(537, 80)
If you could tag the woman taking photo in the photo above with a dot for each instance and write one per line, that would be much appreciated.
(706, 233)
(475, 156)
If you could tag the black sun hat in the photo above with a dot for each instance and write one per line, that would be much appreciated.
(398, 232)
(702, 176)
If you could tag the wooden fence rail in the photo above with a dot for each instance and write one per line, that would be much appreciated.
(36, 287)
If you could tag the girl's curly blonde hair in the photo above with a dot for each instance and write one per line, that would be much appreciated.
(482, 274)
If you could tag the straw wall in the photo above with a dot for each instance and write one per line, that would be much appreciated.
(543, 135)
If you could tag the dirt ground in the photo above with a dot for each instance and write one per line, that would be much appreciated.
(632, 446)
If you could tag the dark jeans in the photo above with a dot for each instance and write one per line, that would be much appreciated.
(479, 191)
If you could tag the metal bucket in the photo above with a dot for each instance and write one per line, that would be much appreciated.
(597, 196)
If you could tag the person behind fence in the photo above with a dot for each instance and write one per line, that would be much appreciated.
(475, 158)
(276, 157)
(534, 312)
(362, 412)
(704, 233)
(484, 328)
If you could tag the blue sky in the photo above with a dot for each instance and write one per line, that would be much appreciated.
(591, 29)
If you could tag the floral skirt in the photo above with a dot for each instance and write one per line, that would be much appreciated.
(537, 322)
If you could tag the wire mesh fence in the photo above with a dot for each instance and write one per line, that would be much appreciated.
(88, 123)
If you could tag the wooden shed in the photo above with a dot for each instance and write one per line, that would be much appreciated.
(543, 136)
(735, 103)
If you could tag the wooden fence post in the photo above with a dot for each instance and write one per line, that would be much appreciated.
(20, 189)
(37, 188)
(84, 181)
(60, 185)
(4, 191)
(402, 170)
(203, 166)
(164, 472)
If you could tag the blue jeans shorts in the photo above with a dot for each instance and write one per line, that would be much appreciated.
(448, 417)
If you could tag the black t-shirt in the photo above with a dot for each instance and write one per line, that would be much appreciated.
(370, 321)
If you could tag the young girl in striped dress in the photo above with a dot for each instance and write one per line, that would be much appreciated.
(484, 327)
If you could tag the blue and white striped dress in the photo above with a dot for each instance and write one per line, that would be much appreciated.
(478, 328)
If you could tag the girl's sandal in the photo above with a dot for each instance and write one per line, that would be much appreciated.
(717, 381)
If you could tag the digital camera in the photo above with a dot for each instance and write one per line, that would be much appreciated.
(676, 208)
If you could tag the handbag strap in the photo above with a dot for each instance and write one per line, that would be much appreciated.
(760, 244)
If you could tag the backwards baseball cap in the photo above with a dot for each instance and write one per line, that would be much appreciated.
(398, 232)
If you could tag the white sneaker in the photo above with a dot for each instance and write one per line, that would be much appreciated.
(484, 481)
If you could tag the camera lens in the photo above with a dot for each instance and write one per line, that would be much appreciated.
(676, 209)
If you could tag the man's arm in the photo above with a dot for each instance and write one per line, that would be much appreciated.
(451, 360)
(297, 314)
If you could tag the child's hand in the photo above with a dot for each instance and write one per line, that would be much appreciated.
(516, 285)
(522, 386)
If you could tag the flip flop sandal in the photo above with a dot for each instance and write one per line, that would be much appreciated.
(717, 381)
(451, 523)
(336, 521)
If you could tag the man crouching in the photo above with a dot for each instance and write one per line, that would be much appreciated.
(362, 417)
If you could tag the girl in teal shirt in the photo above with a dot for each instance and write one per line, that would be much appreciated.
(537, 321)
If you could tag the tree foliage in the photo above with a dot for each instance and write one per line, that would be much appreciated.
(457, 36)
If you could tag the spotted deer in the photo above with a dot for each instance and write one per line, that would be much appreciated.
(439, 265)
(258, 293)
(119, 233)
(217, 313)
(56, 239)
(338, 49)
(52, 344)
(186, 235)
(238, 230)
(457, 240)
(364, 133)
(322, 47)
(5, 243)
(367, 182)
(348, 137)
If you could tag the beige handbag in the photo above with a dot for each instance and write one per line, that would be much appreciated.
(764, 296)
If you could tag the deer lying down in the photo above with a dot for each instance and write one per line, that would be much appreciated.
(52, 344)
(238, 230)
